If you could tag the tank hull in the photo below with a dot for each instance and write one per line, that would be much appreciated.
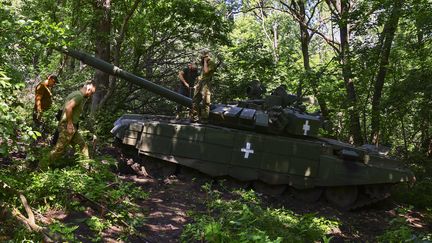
(248, 156)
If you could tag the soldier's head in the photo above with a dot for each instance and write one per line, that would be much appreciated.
(88, 89)
(52, 80)
(205, 53)
(192, 65)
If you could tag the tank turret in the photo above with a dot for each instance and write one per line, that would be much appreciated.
(279, 113)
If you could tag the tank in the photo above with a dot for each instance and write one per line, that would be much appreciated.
(269, 141)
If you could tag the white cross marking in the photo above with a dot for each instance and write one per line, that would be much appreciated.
(247, 150)
(306, 127)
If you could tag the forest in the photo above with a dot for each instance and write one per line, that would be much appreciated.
(364, 66)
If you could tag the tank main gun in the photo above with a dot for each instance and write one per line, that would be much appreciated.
(118, 72)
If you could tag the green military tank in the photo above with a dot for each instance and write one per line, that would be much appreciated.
(271, 142)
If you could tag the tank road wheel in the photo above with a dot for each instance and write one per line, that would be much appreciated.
(378, 191)
(272, 190)
(308, 195)
(158, 168)
(342, 196)
(168, 169)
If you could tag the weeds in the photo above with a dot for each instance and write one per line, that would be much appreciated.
(400, 230)
(244, 219)
(58, 189)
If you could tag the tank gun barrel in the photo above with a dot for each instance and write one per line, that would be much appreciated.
(118, 72)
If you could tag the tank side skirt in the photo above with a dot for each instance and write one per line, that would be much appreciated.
(214, 153)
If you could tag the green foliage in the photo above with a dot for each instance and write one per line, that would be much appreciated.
(252, 56)
(11, 114)
(400, 231)
(54, 189)
(418, 194)
(97, 224)
(244, 219)
(66, 231)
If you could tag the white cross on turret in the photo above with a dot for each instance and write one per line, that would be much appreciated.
(247, 150)
(306, 127)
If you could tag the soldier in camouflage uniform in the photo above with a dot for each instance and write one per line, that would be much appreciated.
(68, 125)
(202, 89)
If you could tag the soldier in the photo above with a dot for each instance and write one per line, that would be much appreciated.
(202, 89)
(187, 78)
(43, 98)
(68, 124)
(255, 90)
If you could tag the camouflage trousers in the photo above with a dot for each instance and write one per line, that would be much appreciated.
(202, 94)
(66, 138)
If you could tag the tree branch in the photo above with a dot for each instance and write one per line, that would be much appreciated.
(335, 45)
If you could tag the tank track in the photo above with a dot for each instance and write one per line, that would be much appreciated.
(368, 198)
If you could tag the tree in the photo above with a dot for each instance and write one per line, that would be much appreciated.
(102, 33)
(297, 9)
(387, 37)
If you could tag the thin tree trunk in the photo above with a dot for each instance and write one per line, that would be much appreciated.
(305, 40)
(102, 50)
(117, 51)
(355, 129)
(388, 34)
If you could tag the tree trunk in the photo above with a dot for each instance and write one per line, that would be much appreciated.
(102, 49)
(305, 40)
(355, 129)
(388, 34)
(117, 51)
(305, 37)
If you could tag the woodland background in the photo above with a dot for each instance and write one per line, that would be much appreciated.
(366, 63)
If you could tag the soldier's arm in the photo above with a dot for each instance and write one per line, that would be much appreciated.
(38, 101)
(208, 65)
(68, 111)
(182, 79)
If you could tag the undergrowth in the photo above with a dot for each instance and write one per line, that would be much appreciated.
(401, 231)
(244, 219)
(75, 188)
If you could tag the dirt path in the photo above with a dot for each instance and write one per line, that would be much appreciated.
(167, 208)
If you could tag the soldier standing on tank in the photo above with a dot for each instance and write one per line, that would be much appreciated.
(43, 99)
(202, 89)
(255, 90)
(187, 78)
(68, 124)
